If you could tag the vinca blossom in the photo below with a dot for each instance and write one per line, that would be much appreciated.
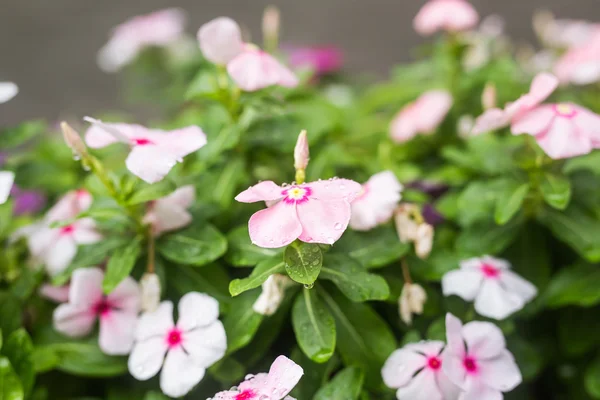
(8, 90)
(220, 40)
(184, 350)
(562, 33)
(416, 371)
(58, 294)
(580, 65)
(159, 28)
(117, 311)
(314, 212)
(445, 15)
(283, 375)
(153, 151)
(376, 203)
(322, 60)
(7, 179)
(170, 212)
(422, 116)
(497, 291)
(476, 359)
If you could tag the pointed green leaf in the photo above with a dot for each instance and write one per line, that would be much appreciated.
(509, 202)
(303, 261)
(242, 322)
(353, 279)
(576, 285)
(314, 326)
(374, 249)
(19, 350)
(197, 245)
(120, 264)
(258, 276)
(345, 385)
(556, 190)
(10, 386)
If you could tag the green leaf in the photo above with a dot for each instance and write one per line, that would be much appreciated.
(226, 184)
(197, 245)
(578, 330)
(149, 192)
(509, 202)
(374, 249)
(314, 327)
(120, 264)
(589, 162)
(44, 359)
(228, 371)
(204, 85)
(19, 350)
(258, 276)
(242, 253)
(346, 385)
(303, 261)
(556, 191)
(18, 135)
(155, 396)
(487, 238)
(10, 386)
(592, 379)
(242, 322)
(11, 310)
(576, 285)
(437, 330)
(211, 279)
(476, 203)
(353, 280)
(87, 360)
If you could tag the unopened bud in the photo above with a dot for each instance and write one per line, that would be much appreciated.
(406, 223)
(150, 288)
(424, 240)
(465, 126)
(412, 299)
(488, 97)
(270, 28)
(273, 292)
(301, 152)
(73, 140)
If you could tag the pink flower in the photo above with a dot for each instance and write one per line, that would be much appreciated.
(445, 15)
(220, 40)
(476, 359)
(562, 33)
(497, 291)
(159, 28)
(281, 379)
(183, 350)
(421, 116)
(117, 311)
(255, 69)
(416, 371)
(58, 294)
(321, 59)
(170, 212)
(562, 130)
(581, 65)
(56, 247)
(153, 152)
(6, 183)
(315, 212)
(377, 202)
(541, 88)
(8, 90)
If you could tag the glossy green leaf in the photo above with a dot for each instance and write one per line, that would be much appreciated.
(10, 386)
(353, 280)
(588, 162)
(149, 192)
(226, 185)
(211, 279)
(258, 276)
(556, 190)
(509, 202)
(120, 264)
(18, 348)
(197, 245)
(242, 322)
(345, 385)
(303, 261)
(242, 253)
(487, 238)
(314, 326)
(576, 285)
(592, 379)
(374, 249)
(86, 359)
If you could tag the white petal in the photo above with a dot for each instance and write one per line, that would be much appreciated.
(167, 217)
(180, 373)
(150, 163)
(6, 183)
(501, 373)
(156, 323)
(454, 336)
(514, 283)
(476, 390)
(197, 309)
(116, 332)
(74, 321)
(449, 390)
(8, 90)
(60, 254)
(283, 375)
(85, 232)
(464, 283)
(147, 357)
(453, 368)
(493, 301)
(484, 339)
(220, 40)
(400, 367)
(206, 345)
(422, 387)
(86, 286)
(126, 296)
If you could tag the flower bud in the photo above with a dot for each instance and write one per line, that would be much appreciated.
(150, 288)
(411, 301)
(301, 152)
(488, 97)
(406, 225)
(424, 240)
(273, 291)
(270, 27)
(73, 140)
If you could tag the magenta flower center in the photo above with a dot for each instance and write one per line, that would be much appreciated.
(246, 395)
(296, 194)
(565, 110)
(490, 271)
(141, 141)
(434, 363)
(102, 308)
(67, 230)
(174, 337)
(470, 364)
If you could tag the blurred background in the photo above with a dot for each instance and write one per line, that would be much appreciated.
(49, 47)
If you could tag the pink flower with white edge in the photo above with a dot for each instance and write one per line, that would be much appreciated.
(57, 294)
(416, 371)
(170, 212)
(581, 65)
(56, 247)
(497, 291)
(184, 350)
(117, 311)
(153, 151)
(159, 28)
(220, 40)
(445, 15)
(254, 69)
(422, 116)
(314, 212)
(283, 375)
(8, 90)
(494, 118)
(562, 130)
(476, 359)
(377, 202)
(6, 183)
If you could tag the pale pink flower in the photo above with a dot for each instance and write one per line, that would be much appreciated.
(445, 15)
(283, 375)
(170, 212)
(301, 151)
(8, 90)
(321, 59)
(184, 350)
(562, 33)
(376, 203)
(581, 65)
(497, 291)
(476, 359)
(159, 28)
(314, 212)
(494, 118)
(56, 247)
(254, 69)
(416, 371)
(58, 294)
(220, 40)
(117, 311)
(423, 115)
(6, 183)
(153, 151)
(562, 130)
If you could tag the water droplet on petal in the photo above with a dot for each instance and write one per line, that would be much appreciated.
(337, 226)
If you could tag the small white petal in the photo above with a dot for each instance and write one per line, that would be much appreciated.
(180, 373)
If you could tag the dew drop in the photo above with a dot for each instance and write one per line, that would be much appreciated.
(309, 286)
(337, 226)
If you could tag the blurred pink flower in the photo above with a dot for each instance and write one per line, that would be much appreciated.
(416, 371)
(220, 40)
(153, 151)
(159, 28)
(581, 65)
(7, 179)
(377, 202)
(423, 115)
(476, 359)
(281, 379)
(58, 294)
(170, 213)
(445, 15)
(314, 212)
(562, 33)
(116, 311)
(321, 59)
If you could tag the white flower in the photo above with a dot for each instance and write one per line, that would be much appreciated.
(183, 350)
(273, 291)
(411, 301)
(6, 182)
(376, 204)
(424, 240)
(8, 90)
(497, 291)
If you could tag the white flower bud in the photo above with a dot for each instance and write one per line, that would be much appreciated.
(411, 301)
(73, 140)
(150, 288)
(424, 240)
(273, 291)
(406, 226)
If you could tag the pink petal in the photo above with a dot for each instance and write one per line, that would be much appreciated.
(220, 40)
(184, 141)
(449, 15)
(150, 163)
(422, 387)
(71, 204)
(283, 376)
(196, 310)
(563, 139)
(404, 125)
(433, 107)
(99, 134)
(501, 373)
(255, 383)
(534, 122)
(476, 390)
(58, 294)
(378, 202)
(430, 348)
(147, 357)
(83, 234)
(155, 324)
(447, 387)
(454, 370)
(463, 283)
(263, 191)
(59, 255)
(362, 216)
(491, 120)
(400, 367)
(169, 213)
(86, 286)
(275, 226)
(116, 332)
(183, 197)
(323, 221)
(484, 340)
(72, 320)
(335, 189)
(180, 373)
(206, 344)
(543, 85)
(515, 284)
(254, 70)
(454, 335)
(588, 122)
(126, 296)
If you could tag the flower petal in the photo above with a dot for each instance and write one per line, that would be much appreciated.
(156, 323)
(180, 373)
(534, 122)
(147, 357)
(515, 284)
(195, 310)
(150, 163)
(476, 390)
(101, 134)
(563, 139)
(206, 344)
(463, 283)
(491, 120)
(276, 226)
(501, 372)
(6, 183)
(449, 390)
(83, 234)
(183, 141)
(494, 301)
(58, 294)
(484, 340)
(86, 286)
(263, 191)
(253, 70)
(116, 332)
(454, 335)
(453, 369)
(401, 366)
(422, 387)
(335, 189)
(8, 90)
(284, 374)
(126, 296)
(323, 221)
(220, 40)
(72, 320)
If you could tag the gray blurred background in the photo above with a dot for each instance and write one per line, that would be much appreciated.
(48, 47)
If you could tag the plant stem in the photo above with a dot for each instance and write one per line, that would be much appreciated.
(406, 272)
